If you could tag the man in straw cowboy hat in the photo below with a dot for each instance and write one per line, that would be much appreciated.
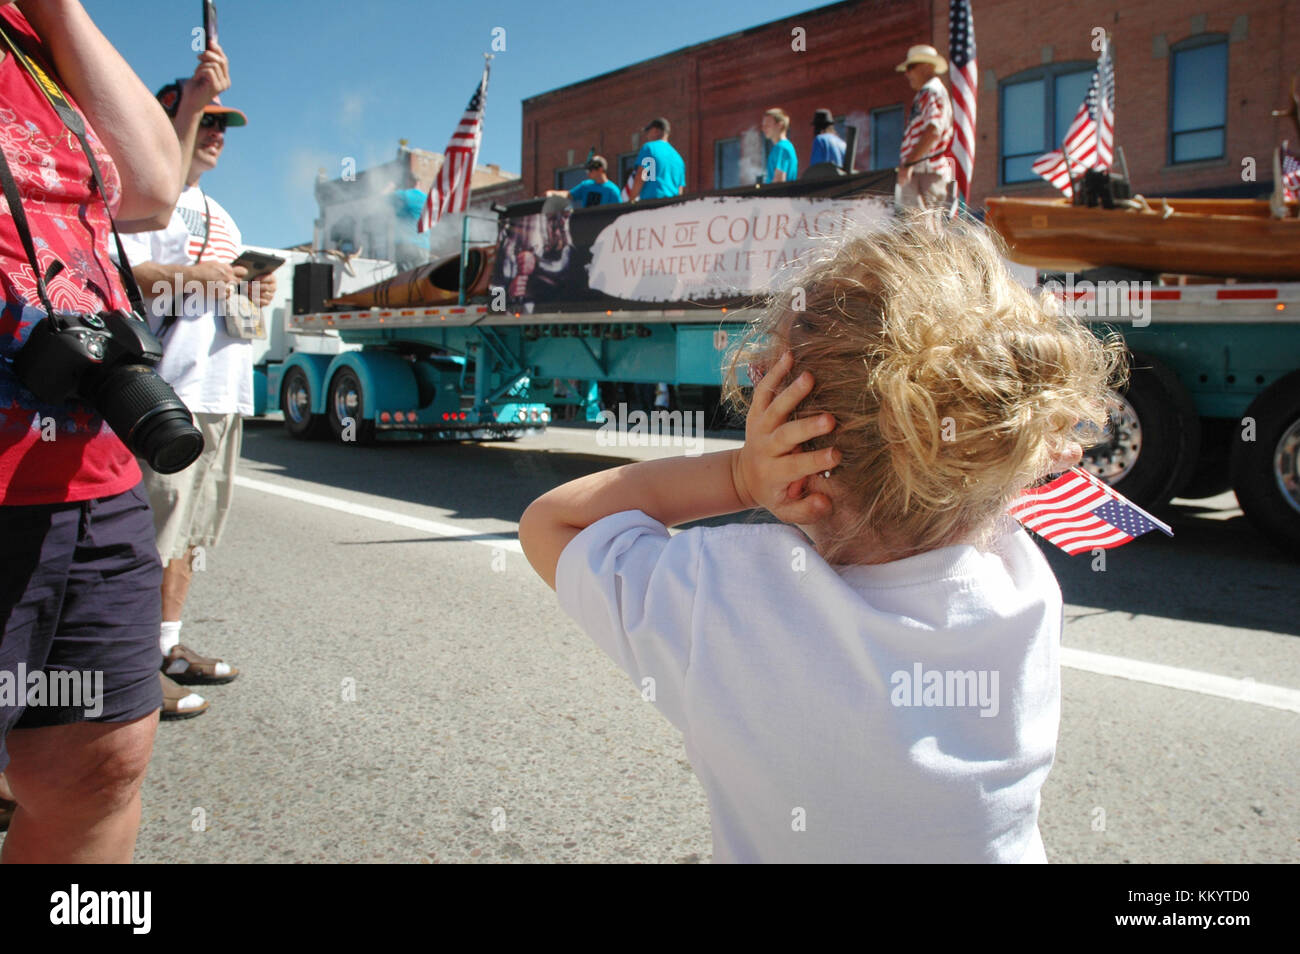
(925, 171)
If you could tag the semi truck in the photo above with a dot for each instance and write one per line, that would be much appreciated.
(655, 292)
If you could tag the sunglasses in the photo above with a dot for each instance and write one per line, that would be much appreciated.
(212, 121)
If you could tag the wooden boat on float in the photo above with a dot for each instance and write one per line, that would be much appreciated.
(1216, 237)
(437, 283)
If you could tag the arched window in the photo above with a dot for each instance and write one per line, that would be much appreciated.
(1035, 110)
(1198, 98)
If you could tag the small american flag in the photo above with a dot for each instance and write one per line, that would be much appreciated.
(1290, 175)
(965, 89)
(1090, 141)
(450, 191)
(1078, 512)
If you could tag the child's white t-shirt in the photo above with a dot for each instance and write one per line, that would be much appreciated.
(903, 712)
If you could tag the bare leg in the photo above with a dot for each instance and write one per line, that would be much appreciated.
(78, 791)
(176, 586)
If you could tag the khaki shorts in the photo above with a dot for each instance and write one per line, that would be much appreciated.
(190, 507)
(925, 190)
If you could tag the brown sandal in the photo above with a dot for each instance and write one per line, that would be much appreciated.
(174, 695)
(190, 669)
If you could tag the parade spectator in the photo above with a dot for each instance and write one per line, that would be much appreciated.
(210, 370)
(782, 163)
(661, 171)
(79, 573)
(925, 171)
(827, 145)
(597, 189)
(791, 654)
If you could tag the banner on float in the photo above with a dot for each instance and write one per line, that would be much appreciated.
(717, 248)
(708, 251)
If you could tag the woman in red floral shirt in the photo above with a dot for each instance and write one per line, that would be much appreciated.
(78, 574)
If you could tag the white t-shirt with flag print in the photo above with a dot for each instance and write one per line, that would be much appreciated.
(209, 370)
(930, 107)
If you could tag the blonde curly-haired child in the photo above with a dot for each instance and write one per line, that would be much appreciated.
(881, 684)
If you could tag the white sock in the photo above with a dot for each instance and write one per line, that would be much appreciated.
(170, 636)
(191, 701)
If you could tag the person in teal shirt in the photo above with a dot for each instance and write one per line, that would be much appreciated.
(411, 246)
(597, 190)
(782, 163)
(663, 169)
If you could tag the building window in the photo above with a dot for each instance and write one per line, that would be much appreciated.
(566, 179)
(1198, 98)
(886, 137)
(726, 163)
(1036, 110)
(849, 132)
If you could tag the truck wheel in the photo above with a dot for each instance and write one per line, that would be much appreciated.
(1266, 471)
(1153, 439)
(345, 406)
(295, 401)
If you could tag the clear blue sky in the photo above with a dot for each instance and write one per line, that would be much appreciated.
(328, 79)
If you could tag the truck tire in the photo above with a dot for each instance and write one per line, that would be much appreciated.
(345, 407)
(1266, 471)
(295, 401)
(1155, 437)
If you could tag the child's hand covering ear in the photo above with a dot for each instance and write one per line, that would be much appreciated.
(769, 471)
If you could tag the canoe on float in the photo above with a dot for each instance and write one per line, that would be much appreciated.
(437, 283)
(1220, 237)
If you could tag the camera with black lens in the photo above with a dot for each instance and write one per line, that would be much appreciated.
(107, 360)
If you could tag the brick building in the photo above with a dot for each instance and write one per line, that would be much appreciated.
(1195, 84)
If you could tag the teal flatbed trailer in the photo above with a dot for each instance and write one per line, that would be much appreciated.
(1213, 403)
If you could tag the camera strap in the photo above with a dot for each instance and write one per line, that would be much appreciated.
(178, 305)
(24, 232)
(207, 227)
(72, 120)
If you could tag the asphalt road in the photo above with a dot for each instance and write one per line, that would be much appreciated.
(409, 695)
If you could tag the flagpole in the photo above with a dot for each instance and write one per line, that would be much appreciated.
(1119, 497)
(464, 221)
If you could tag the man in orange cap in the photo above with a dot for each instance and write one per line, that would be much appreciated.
(210, 369)
(925, 171)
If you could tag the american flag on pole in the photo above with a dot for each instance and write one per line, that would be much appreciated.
(1090, 141)
(965, 87)
(1290, 174)
(1077, 512)
(450, 191)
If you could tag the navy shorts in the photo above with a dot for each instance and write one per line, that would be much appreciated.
(80, 609)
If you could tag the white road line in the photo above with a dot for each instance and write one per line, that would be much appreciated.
(1189, 680)
(386, 516)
